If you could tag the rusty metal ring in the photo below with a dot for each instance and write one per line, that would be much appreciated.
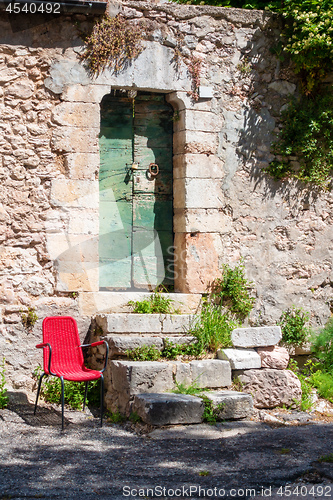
(155, 166)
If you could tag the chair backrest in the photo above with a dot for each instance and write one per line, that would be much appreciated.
(62, 334)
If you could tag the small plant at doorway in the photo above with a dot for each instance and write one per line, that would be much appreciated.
(29, 319)
(233, 290)
(157, 303)
(3, 389)
(112, 43)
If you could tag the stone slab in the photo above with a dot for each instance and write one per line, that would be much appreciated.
(211, 373)
(135, 377)
(240, 359)
(166, 409)
(144, 323)
(117, 302)
(261, 336)
(120, 344)
(129, 323)
(235, 405)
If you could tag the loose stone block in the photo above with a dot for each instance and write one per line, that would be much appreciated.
(240, 359)
(211, 373)
(273, 357)
(271, 388)
(120, 344)
(235, 405)
(166, 409)
(256, 337)
(135, 377)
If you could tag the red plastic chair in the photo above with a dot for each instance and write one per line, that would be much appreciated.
(63, 357)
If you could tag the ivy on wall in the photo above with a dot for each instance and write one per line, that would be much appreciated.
(307, 132)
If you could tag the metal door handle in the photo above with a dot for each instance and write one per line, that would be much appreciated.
(153, 169)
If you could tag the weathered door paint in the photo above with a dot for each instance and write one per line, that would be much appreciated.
(136, 236)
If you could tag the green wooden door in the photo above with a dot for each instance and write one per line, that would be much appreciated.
(136, 236)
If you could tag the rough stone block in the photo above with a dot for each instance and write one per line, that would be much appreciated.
(82, 165)
(198, 193)
(75, 193)
(271, 388)
(198, 262)
(190, 141)
(85, 93)
(166, 409)
(83, 221)
(201, 220)
(198, 166)
(77, 114)
(211, 373)
(176, 323)
(135, 377)
(181, 339)
(73, 140)
(120, 344)
(235, 404)
(204, 121)
(240, 359)
(273, 357)
(256, 336)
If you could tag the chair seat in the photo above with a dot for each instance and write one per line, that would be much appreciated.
(79, 375)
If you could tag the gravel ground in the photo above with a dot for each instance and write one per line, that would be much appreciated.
(245, 459)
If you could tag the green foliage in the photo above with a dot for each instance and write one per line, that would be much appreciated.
(308, 37)
(322, 346)
(3, 390)
(304, 377)
(211, 413)
(213, 328)
(113, 43)
(307, 133)
(326, 458)
(192, 389)
(171, 350)
(292, 322)
(323, 381)
(157, 303)
(30, 318)
(134, 417)
(115, 417)
(73, 391)
(233, 290)
(144, 353)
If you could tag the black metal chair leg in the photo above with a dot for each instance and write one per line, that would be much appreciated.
(38, 390)
(62, 402)
(85, 395)
(102, 398)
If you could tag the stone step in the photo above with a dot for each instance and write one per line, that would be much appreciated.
(156, 324)
(167, 409)
(128, 378)
(107, 302)
(120, 344)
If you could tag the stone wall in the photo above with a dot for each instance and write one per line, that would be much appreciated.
(225, 208)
